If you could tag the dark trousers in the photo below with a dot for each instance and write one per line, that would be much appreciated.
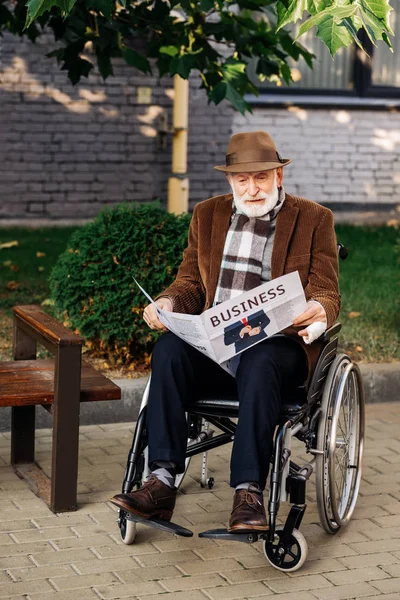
(268, 372)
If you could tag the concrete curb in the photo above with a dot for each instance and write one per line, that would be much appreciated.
(381, 382)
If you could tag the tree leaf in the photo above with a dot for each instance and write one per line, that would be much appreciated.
(169, 50)
(374, 25)
(353, 25)
(206, 5)
(387, 41)
(380, 9)
(315, 6)
(334, 12)
(335, 36)
(104, 64)
(218, 92)
(36, 8)
(234, 70)
(135, 59)
(236, 99)
(182, 65)
(267, 67)
(77, 69)
(286, 73)
(290, 13)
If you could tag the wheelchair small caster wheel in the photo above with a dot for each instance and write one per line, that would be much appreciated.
(210, 483)
(287, 557)
(127, 529)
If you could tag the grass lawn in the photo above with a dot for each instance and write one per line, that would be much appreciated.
(24, 273)
(369, 282)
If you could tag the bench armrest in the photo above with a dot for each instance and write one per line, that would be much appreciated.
(43, 328)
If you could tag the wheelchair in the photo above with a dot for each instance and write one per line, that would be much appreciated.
(329, 419)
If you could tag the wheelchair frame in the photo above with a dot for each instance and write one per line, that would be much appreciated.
(307, 419)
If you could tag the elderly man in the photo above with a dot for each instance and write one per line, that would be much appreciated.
(236, 242)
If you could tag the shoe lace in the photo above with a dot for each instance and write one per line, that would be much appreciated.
(151, 480)
(249, 498)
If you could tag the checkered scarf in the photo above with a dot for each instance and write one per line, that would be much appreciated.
(245, 243)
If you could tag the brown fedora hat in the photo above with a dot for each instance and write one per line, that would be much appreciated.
(252, 151)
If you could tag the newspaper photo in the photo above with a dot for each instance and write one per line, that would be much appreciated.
(227, 329)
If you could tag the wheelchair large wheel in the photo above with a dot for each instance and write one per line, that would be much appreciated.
(340, 444)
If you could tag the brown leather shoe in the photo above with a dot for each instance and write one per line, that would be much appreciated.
(154, 500)
(248, 512)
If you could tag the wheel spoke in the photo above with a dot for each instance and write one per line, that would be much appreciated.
(281, 558)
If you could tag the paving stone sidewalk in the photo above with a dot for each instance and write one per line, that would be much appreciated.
(80, 556)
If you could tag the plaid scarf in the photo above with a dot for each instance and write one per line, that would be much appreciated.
(245, 243)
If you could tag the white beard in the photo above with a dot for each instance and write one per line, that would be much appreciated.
(258, 210)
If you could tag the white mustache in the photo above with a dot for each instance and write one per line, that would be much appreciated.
(248, 198)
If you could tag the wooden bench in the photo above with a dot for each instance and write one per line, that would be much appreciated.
(59, 386)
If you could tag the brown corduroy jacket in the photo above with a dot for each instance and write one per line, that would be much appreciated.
(304, 241)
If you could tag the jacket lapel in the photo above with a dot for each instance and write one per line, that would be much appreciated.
(285, 222)
(220, 226)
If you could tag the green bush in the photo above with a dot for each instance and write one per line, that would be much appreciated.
(92, 286)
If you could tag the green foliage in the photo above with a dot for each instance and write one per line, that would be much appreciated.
(215, 38)
(339, 22)
(91, 283)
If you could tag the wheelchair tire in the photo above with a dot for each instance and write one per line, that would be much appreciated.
(127, 529)
(289, 557)
(340, 443)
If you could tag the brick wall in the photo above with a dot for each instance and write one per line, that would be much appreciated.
(67, 151)
(339, 156)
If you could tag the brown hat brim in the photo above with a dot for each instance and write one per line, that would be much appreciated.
(249, 167)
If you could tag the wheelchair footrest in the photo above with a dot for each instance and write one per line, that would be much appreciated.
(248, 537)
(162, 525)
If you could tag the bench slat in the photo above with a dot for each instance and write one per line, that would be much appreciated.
(27, 382)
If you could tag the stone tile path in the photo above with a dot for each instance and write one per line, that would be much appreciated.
(79, 556)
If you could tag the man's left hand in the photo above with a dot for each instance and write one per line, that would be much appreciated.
(314, 312)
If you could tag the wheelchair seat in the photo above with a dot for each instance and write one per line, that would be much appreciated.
(229, 406)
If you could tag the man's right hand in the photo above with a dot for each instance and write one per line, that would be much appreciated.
(245, 330)
(150, 313)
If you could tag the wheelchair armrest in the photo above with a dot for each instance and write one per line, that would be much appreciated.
(332, 331)
(342, 251)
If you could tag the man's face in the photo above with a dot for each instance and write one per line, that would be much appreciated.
(256, 193)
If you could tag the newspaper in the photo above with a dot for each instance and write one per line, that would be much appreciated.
(228, 329)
